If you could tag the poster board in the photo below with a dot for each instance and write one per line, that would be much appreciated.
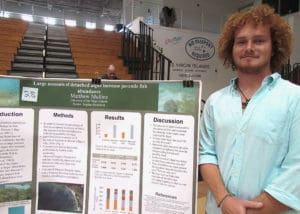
(71, 146)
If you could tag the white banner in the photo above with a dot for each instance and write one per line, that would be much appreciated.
(194, 56)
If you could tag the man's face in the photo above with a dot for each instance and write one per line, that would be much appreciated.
(111, 73)
(252, 49)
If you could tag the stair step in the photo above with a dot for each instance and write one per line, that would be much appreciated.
(56, 31)
(57, 39)
(29, 59)
(58, 49)
(133, 60)
(27, 67)
(25, 73)
(60, 68)
(32, 47)
(59, 54)
(33, 41)
(34, 37)
(30, 52)
(38, 35)
(36, 29)
(58, 44)
(61, 75)
(61, 61)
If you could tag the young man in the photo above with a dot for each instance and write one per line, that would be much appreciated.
(110, 73)
(250, 131)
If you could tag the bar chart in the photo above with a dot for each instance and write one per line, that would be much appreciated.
(121, 200)
(118, 133)
(112, 129)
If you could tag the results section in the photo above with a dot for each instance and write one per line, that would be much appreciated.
(115, 162)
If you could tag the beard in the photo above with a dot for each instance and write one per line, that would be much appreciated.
(251, 69)
(248, 68)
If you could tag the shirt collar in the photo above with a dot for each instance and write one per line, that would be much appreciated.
(271, 80)
(233, 85)
(268, 81)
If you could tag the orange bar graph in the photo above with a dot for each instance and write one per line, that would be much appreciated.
(123, 200)
(116, 199)
(107, 198)
(130, 200)
(123, 135)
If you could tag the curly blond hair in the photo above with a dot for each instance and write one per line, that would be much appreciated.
(281, 34)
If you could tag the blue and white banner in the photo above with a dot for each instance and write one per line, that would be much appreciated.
(194, 56)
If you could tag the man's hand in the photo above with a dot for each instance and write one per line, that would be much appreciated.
(234, 205)
(271, 205)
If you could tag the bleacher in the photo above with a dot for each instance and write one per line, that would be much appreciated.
(94, 50)
(91, 52)
(11, 35)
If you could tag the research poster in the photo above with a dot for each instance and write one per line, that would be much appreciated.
(72, 146)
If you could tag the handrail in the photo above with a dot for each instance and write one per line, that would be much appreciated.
(296, 73)
(45, 51)
(143, 60)
(129, 51)
(291, 73)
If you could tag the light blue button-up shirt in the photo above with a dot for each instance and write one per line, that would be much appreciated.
(258, 149)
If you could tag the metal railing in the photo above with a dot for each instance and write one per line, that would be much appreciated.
(142, 59)
(45, 51)
(295, 77)
(291, 73)
(129, 51)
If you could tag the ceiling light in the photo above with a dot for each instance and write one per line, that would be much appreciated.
(27, 17)
(49, 20)
(109, 27)
(90, 25)
(6, 14)
(70, 22)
